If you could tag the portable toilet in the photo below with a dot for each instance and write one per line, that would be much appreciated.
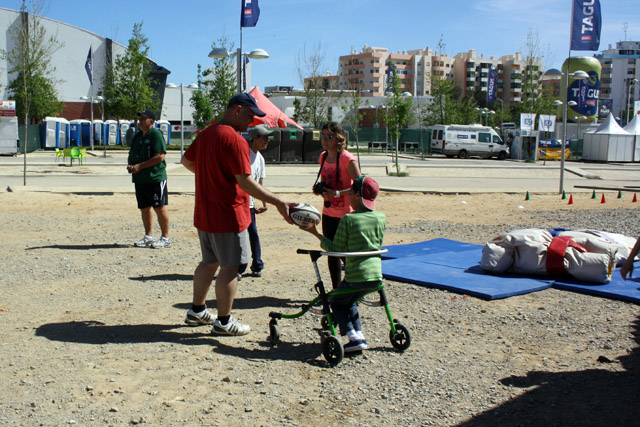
(111, 133)
(124, 127)
(98, 132)
(291, 145)
(165, 128)
(55, 132)
(80, 132)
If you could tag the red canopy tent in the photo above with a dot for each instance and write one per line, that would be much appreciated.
(275, 118)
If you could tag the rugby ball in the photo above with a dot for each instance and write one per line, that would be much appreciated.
(304, 214)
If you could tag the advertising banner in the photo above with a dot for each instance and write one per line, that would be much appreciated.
(527, 121)
(547, 123)
(585, 25)
(491, 85)
(604, 108)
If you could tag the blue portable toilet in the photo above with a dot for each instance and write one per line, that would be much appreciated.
(165, 128)
(98, 132)
(80, 132)
(111, 132)
(55, 132)
(124, 127)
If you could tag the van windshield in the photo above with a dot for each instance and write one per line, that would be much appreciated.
(497, 139)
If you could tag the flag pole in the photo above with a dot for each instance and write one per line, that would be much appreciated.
(565, 98)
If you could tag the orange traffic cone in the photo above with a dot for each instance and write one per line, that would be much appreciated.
(635, 198)
(570, 199)
(603, 200)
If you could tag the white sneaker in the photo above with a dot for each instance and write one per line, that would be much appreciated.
(232, 328)
(164, 242)
(202, 318)
(146, 241)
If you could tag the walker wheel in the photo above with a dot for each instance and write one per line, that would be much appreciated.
(274, 332)
(324, 322)
(332, 350)
(401, 340)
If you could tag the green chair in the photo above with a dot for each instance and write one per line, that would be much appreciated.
(74, 153)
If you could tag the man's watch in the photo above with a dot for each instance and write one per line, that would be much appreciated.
(337, 194)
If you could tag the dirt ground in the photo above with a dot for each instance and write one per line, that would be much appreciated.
(92, 328)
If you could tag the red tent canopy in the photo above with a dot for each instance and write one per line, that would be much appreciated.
(274, 118)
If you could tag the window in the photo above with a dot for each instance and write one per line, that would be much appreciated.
(497, 140)
(484, 137)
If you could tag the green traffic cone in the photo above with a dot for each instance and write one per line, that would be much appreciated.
(619, 194)
(593, 196)
(527, 197)
(564, 195)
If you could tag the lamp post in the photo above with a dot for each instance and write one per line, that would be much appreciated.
(173, 86)
(480, 113)
(100, 99)
(579, 119)
(219, 52)
(85, 98)
(486, 117)
(630, 81)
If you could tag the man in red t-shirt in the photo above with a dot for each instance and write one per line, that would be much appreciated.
(220, 159)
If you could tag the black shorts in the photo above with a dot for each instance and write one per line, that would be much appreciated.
(329, 226)
(152, 195)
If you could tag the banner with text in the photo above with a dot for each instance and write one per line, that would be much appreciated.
(527, 121)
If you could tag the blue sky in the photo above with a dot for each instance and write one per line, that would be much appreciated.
(181, 33)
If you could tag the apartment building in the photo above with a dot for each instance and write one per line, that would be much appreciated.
(367, 70)
(620, 67)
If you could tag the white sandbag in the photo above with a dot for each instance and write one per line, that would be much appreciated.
(496, 258)
(588, 266)
(530, 258)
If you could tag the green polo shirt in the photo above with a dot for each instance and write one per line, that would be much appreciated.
(144, 147)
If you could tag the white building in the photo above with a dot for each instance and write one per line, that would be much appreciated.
(620, 66)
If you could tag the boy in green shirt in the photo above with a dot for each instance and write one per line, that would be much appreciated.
(358, 231)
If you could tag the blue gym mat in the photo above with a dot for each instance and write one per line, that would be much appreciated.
(427, 247)
(460, 272)
(616, 289)
(454, 266)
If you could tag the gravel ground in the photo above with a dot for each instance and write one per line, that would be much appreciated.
(92, 330)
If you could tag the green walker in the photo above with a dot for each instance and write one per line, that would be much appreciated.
(331, 346)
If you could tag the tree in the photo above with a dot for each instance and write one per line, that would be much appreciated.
(534, 98)
(217, 86)
(397, 110)
(30, 61)
(310, 67)
(128, 83)
(351, 104)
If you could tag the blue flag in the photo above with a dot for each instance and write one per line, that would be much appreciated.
(89, 65)
(250, 13)
(585, 25)
(491, 85)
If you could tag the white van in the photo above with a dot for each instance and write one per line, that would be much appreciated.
(467, 140)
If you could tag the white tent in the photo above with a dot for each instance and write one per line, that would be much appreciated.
(634, 129)
(609, 143)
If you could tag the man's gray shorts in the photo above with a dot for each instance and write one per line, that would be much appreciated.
(227, 249)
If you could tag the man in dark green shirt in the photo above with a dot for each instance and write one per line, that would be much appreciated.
(148, 172)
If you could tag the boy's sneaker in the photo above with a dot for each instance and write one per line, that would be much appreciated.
(164, 242)
(202, 318)
(256, 273)
(355, 345)
(146, 241)
(233, 327)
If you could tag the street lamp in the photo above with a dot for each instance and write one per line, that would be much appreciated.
(486, 117)
(86, 98)
(173, 86)
(220, 52)
(630, 81)
(480, 112)
(579, 119)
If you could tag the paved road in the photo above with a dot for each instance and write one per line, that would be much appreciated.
(433, 174)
